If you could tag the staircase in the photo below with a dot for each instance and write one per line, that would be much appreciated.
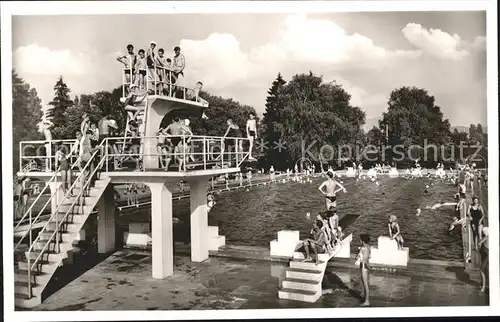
(303, 279)
(45, 253)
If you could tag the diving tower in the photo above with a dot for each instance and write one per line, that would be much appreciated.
(44, 241)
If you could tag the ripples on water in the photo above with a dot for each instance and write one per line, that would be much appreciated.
(255, 217)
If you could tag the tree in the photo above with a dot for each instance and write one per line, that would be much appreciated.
(375, 137)
(272, 116)
(457, 137)
(219, 111)
(26, 113)
(413, 118)
(96, 105)
(60, 103)
(314, 114)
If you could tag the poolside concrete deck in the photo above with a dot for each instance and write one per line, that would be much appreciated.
(123, 282)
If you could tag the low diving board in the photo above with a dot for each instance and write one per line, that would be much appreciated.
(303, 279)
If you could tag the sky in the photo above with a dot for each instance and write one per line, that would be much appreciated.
(239, 55)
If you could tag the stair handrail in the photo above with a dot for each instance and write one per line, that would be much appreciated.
(28, 212)
(55, 213)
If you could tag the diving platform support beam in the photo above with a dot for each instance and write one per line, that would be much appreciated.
(106, 223)
(199, 218)
(161, 230)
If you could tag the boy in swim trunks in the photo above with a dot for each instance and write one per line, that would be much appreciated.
(129, 60)
(140, 69)
(331, 193)
(194, 94)
(251, 134)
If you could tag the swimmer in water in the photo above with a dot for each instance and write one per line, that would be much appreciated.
(331, 192)
(395, 231)
(442, 204)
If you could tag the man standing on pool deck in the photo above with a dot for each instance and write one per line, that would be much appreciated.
(251, 134)
(331, 193)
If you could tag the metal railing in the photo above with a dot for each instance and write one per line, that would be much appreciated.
(28, 214)
(47, 159)
(161, 82)
(55, 213)
(190, 151)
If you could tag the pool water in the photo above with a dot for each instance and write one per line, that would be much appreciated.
(254, 217)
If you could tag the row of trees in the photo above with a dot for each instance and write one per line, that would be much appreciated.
(303, 115)
(307, 110)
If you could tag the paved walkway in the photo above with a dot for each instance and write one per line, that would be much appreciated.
(123, 282)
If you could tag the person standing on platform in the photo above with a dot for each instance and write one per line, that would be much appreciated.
(484, 252)
(475, 213)
(331, 193)
(129, 61)
(363, 260)
(178, 66)
(251, 134)
(151, 64)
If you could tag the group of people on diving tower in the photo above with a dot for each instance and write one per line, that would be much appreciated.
(169, 73)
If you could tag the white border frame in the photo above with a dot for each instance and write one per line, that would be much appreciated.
(103, 7)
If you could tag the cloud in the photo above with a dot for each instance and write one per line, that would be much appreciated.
(324, 41)
(34, 59)
(301, 44)
(435, 41)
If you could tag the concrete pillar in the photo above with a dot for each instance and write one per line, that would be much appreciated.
(199, 219)
(56, 200)
(161, 230)
(106, 227)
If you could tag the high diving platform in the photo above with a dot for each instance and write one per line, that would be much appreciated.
(157, 149)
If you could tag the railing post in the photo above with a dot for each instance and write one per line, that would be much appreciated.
(236, 148)
(170, 83)
(20, 156)
(123, 81)
(184, 151)
(183, 87)
(204, 150)
(49, 152)
(222, 153)
(154, 83)
(105, 154)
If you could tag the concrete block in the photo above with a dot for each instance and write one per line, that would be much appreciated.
(139, 227)
(386, 244)
(391, 258)
(213, 231)
(288, 236)
(132, 239)
(283, 249)
(215, 242)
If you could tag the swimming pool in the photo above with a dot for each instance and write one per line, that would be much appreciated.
(254, 217)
